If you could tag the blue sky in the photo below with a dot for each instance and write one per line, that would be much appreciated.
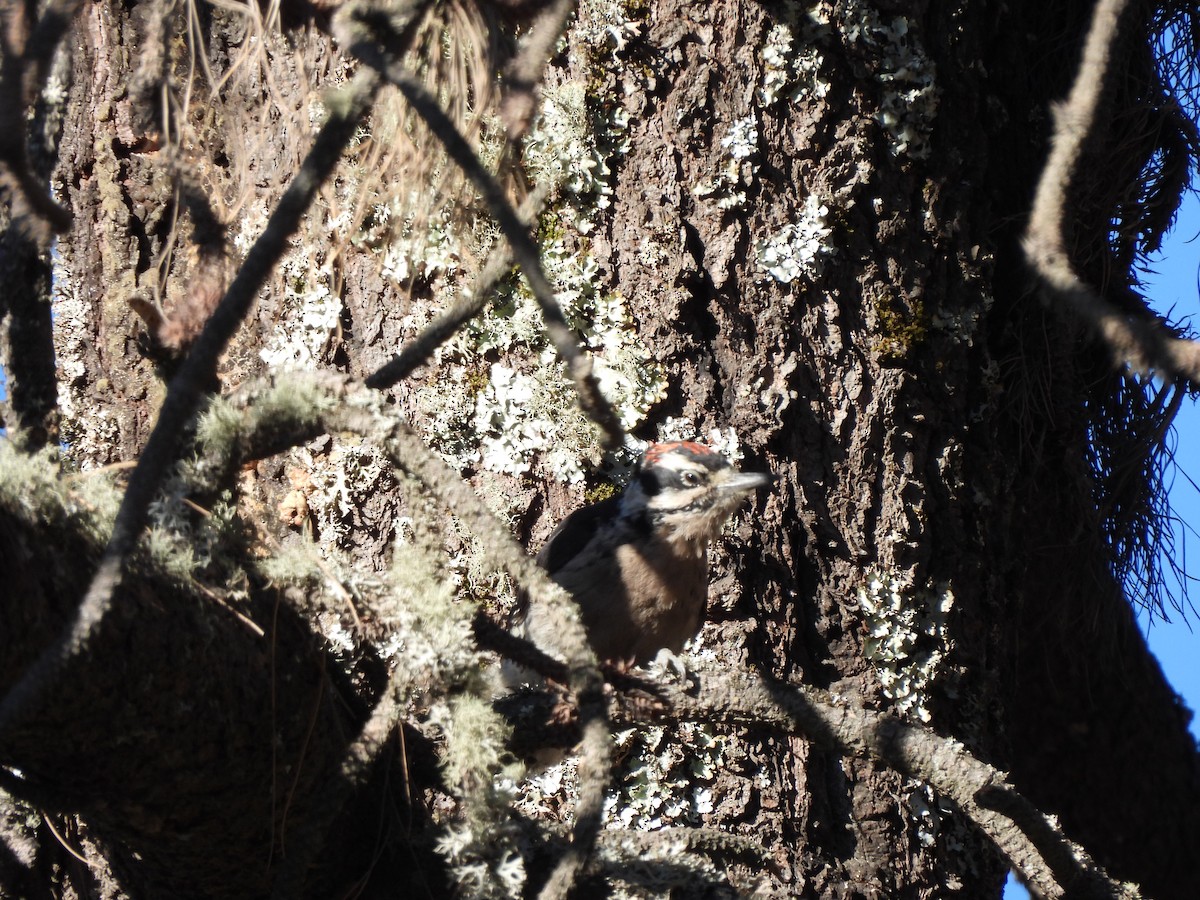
(1174, 290)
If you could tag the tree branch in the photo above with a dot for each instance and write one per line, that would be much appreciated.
(1031, 841)
(1143, 343)
(525, 72)
(583, 677)
(1035, 846)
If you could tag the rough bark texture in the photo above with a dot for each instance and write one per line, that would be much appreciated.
(809, 225)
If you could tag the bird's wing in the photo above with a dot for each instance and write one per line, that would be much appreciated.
(574, 532)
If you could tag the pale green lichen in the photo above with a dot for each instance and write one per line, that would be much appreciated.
(434, 628)
(561, 149)
(520, 415)
(290, 405)
(667, 777)
(31, 487)
(173, 546)
(800, 248)
(791, 62)
(437, 665)
(406, 249)
(906, 638)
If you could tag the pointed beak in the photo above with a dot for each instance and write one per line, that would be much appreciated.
(745, 482)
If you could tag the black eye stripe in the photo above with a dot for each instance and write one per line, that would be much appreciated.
(650, 482)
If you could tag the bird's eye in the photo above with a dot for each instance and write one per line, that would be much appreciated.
(691, 479)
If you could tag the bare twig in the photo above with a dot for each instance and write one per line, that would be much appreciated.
(191, 384)
(1142, 342)
(525, 249)
(442, 329)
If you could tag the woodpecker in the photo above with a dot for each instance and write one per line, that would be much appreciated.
(637, 563)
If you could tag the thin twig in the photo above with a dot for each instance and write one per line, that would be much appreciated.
(525, 249)
(439, 331)
(193, 382)
(1142, 342)
(49, 822)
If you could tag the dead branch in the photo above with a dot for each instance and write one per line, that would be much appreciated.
(1141, 342)
(379, 53)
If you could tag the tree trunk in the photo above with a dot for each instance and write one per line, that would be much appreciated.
(793, 231)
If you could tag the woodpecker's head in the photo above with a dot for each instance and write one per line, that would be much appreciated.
(685, 491)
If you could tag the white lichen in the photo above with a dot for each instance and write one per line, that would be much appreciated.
(800, 248)
(561, 149)
(924, 814)
(906, 638)
(338, 483)
(909, 101)
(737, 167)
(667, 776)
(604, 26)
(792, 64)
(307, 315)
(406, 251)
